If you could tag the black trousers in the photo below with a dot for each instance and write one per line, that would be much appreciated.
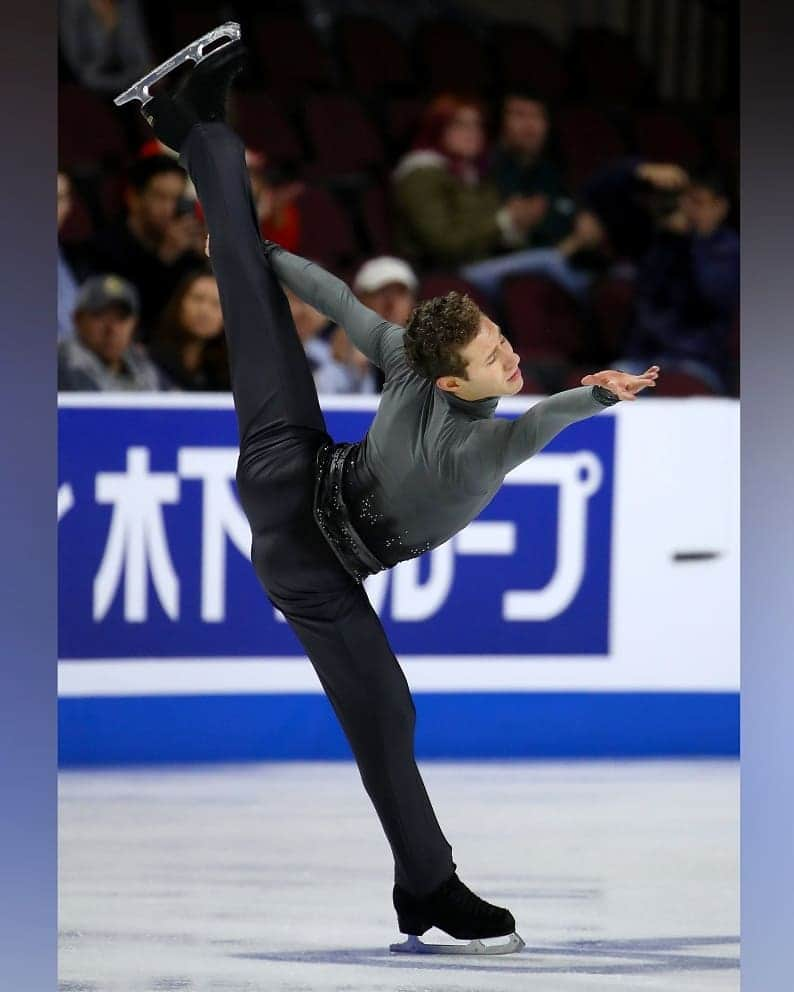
(281, 427)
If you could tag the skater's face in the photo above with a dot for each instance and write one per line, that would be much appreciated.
(108, 332)
(464, 135)
(201, 315)
(155, 205)
(525, 125)
(492, 366)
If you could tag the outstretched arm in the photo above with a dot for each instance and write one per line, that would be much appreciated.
(497, 446)
(377, 338)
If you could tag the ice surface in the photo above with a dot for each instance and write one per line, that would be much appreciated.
(277, 878)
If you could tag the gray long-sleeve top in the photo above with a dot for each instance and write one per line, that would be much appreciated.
(430, 461)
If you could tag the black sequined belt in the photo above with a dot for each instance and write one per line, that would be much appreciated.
(332, 515)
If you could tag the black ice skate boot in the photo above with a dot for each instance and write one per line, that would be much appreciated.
(202, 96)
(454, 908)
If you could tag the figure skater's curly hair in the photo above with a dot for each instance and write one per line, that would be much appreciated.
(437, 331)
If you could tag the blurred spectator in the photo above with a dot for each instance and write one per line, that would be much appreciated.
(616, 223)
(687, 286)
(188, 343)
(158, 242)
(314, 331)
(67, 278)
(388, 286)
(628, 196)
(274, 195)
(101, 355)
(572, 264)
(104, 43)
(521, 167)
(447, 213)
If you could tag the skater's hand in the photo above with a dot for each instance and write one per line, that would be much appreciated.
(624, 385)
(207, 246)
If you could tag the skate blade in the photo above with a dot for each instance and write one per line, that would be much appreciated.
(195, 51)
(413, 945)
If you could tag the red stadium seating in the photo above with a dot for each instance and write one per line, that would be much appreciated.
(725, 137)
(401, 121)
(326, 232)
(291, 54)
(526, 58)
(612, 304)
(377, 220)
(374, 57)
(664, 137)
(675, 383)
(440, 283)
(264, 128)
(587, 140)
(89, 133)
(78, 226)
(543, 320)
(608, 68)
(341, 135)
(452, 58)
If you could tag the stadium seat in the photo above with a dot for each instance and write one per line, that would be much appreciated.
(78, 226)
(441, 283)
(401, 120)
(608, 69)
(664, 137)
(291, 54)
(89, 133)
(588, 140)
(526, 58)
(725, 138)
(612, 306)
(674, 383)
(452, 58)
(373, 56)
(264, 128)
(376, 218)
(326, 232)
(543, 320)
(342, 137)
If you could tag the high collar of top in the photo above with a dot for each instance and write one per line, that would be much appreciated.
(477, 409)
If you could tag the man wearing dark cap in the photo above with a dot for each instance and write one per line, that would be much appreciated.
(101, 355)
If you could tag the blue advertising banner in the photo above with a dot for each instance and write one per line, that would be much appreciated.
(154, 546)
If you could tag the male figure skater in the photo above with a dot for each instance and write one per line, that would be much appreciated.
(326, 515)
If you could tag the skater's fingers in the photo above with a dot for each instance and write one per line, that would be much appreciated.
(207, 247)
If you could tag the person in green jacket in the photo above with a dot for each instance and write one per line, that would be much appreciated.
(447, 213)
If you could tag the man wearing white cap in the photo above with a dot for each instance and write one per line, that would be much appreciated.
(386, 285)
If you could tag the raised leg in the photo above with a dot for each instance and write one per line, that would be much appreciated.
(271, 378)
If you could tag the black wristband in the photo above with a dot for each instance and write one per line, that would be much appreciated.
(605, 396)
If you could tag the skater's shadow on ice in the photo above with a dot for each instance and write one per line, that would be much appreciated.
(594, 957)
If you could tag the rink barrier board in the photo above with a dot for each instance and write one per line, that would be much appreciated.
(595, 633)
(467, 726)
